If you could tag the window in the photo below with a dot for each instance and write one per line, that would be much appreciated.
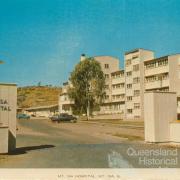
(135, 56)
(136, 80)
(107, 97)
(118, 86)
(163, 62)
(136, 105)
(129, 86)
(106, 66)
(129, 73)
(106, 86)
(136, 67)
(107, 76)
(136, 92)
(128, 62)
(117, 75)
(129, 98)
(150, 65)
(151, 78)
(129, 111)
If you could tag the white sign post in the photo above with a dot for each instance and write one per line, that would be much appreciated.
(8, 106)
(160, 108)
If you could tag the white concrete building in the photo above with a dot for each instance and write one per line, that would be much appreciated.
(110, 67)
(125, 88)
(134, 82)
(65, 103)
(42, 111)
(163, 74)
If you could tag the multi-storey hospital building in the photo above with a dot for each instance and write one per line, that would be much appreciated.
(125, 87)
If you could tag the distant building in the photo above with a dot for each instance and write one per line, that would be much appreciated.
(65, 103)
(125, 88)
(42, 111)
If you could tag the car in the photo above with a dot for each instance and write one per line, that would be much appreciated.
(23, 116)
(63, 117)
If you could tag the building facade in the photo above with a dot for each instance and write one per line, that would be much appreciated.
(125, 88)
(134, 82)
(65, 103)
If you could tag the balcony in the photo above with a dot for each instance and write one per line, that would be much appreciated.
(118, 80)
(118, 91)
(156, 70)
(156, 84)
(118, 100)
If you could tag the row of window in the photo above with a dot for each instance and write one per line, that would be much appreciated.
(155, 64)
(157, 77)
(122, 96)
(118, 96)
(118, 75)
(118, 86)
(114, 107)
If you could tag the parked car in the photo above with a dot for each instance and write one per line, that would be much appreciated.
(63, 117)
(23, 116)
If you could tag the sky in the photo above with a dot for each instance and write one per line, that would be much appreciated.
(42, 40)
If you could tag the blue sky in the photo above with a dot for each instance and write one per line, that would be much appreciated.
(42, 40)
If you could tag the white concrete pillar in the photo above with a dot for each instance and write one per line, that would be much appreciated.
(3, 139)
(160, 108)
(8, 107)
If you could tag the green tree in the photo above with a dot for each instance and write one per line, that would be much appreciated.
(88, 84)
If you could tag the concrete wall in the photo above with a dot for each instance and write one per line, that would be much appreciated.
(159, 110)
(8, 106)
(175, 132)
(3, 139)
(174, 70)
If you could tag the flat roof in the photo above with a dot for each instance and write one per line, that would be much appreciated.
(166, 92)
(136, 50)
(155, 59)
(42, 107)
(8, 84)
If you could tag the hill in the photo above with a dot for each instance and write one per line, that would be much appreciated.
(35, 96)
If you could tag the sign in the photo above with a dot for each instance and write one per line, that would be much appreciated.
(8, 106)
(4, 105)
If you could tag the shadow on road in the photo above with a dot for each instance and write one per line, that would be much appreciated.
(24, 150)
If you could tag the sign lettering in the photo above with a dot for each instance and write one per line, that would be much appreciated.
(4, 106)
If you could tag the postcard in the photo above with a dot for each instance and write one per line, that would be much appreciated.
(89, 89)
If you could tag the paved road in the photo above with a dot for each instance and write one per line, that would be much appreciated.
(43, 144)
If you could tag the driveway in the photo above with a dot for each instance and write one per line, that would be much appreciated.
(43, 144)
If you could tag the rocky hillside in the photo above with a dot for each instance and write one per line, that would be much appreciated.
(35, 96)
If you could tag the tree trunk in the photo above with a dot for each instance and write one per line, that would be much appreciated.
(88, 110)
